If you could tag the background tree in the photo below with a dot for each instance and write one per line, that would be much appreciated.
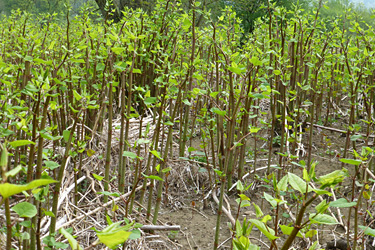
(111, 9)
(336, 8)
(247, 10)
(33, 6)
(250, 10)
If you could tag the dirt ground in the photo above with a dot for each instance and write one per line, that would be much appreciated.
(189, 201)
(197, 217)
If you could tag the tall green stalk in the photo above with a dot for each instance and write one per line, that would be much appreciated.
(60, 176)
(109, 141)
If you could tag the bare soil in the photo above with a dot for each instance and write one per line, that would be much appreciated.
(197, 216)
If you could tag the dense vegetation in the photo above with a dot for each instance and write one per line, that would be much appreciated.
(247, 10)
(109, 108)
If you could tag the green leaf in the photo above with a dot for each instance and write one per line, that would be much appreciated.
(28, 58)
(218, 172)
(351, 161)
(297, 183)
(154, 177)
(322, 191)
(47, 136)
(113, 235)
(100, 66)
(214, 94)
(322, 219)
(244, 197)
(186, 101)
(240, 186)
(367, 195)
(255, 61)
(368, 231)
(186, 24)
(90, 152)
(166, 170)
(270, 199)
(156, 153)
(51, 165)
(77, 60)
(311, 233)
(306, 176)
(245, 203)
(31, 88)
(258, 211)
(109, 193)
(266, 218)
(14, 171)
(283, 183)
(20, 143)
(355, 137)
(76, 95)
(137, 71)
(49, 213)
(191, 149)
(129, 154)
(236, 70)
(66, 135)
(342, 202)
(25, 209)
(143, 141)
(150, 100)
(365, 52)
(3, 156)
(267, 231)
(7, 189)
(332, 179)
(168, 123)
(26, 223)
(254, 130)
(117, 50)
(238, 228)
(98, 177)
(136, 234)
(218, 111)
(72, 242)
(288, 230)
(322, 206)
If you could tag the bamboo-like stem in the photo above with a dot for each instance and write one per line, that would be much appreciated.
(4, 169)
(9, 223)
(165, 157)
(152, 158)
(191, 71)
(38, 170)
(60, 176)
(272, 97)
(297, 226)
(120, 167)
(109, 142)
(357, 207)
(127, 118)
(137, 168)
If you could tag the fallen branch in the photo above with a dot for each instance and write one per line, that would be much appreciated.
(246, 175)
(95, 210)
(228, 214)
(161, 227)
(338, 130)
(68, 190)
(338, 211)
